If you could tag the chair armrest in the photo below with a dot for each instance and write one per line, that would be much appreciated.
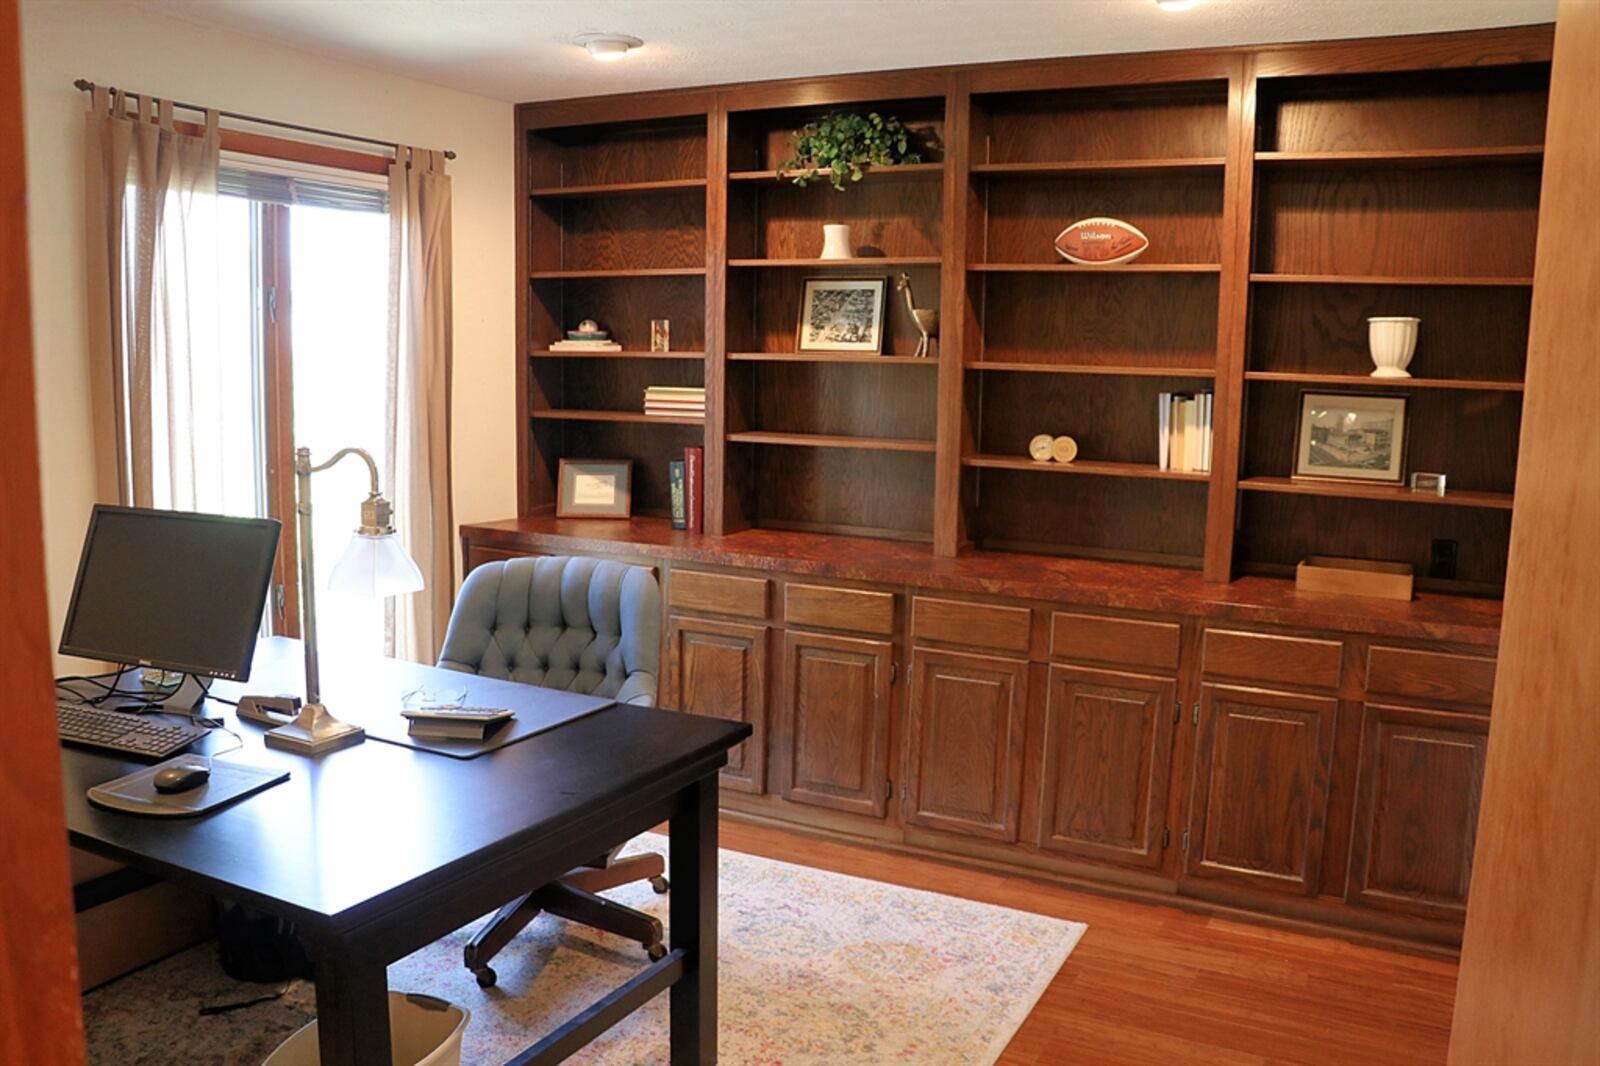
(640, 689)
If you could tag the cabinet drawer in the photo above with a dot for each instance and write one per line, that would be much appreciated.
(1430, 675)
(695, 590)
(827, 607)
(1124, 641)
(1268, 657)
(983, 625)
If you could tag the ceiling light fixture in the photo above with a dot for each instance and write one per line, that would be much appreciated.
(608, 47)
(1176, 5)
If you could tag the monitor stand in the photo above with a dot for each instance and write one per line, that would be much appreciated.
(187, 697)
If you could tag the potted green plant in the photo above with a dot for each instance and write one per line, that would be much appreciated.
(846, 145)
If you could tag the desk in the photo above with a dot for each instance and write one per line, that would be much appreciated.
(377, 850)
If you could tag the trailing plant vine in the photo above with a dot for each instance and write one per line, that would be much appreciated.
(848, 144)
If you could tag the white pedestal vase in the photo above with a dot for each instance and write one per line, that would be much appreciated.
(1392, 342)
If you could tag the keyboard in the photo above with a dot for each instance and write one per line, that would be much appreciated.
(121, 732)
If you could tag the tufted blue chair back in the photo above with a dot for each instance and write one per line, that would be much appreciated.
(563, 622)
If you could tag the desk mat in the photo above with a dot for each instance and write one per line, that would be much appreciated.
(230, 782)
(530, 721)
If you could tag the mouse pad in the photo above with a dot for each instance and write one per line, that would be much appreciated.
(136, 793)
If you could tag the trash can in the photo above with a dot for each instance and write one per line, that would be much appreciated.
(423, 1031)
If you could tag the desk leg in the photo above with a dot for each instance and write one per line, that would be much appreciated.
(352, 1009)
(694, 925)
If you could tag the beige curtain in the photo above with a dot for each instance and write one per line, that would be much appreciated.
(151, 208)
(418, 451)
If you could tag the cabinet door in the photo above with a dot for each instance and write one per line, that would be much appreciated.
(1416, 810)
(964, 747)
(1107, 745)
(1261, 787)
(720, 669)
(834, 738)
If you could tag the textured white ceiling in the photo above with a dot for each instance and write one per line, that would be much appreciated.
(518, 50)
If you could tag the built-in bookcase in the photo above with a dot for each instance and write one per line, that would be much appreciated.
(1288, 194)
(1412, 193)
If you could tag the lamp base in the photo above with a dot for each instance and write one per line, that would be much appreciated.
(313, 732)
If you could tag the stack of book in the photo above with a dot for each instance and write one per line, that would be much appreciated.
(1184, 426)
(680, 401)
(571, 345)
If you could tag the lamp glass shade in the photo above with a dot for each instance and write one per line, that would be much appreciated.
(375, 566)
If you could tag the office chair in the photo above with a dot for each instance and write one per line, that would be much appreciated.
(584, 626)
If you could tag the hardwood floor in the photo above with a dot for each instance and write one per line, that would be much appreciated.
(1158, 985)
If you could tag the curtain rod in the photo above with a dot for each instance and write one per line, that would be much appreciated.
(85, 85)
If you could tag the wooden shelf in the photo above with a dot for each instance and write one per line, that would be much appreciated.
(1391, 493)
(1125, 371)
(1384, 279)
(831, 357)
(819, 440)
(1368, 381)
(856, 263)
(643, 272)
(902, 172)
(1078, 268)
(568, 414)
(1131, 167)
(617, 188)
(1412, 157)
(546, 353)
(1083, 466)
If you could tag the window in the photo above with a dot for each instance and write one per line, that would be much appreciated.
(303, 305)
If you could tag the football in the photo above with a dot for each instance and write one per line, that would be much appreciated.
(1101, 242)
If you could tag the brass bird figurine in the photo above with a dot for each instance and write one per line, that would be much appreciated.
(926, 319)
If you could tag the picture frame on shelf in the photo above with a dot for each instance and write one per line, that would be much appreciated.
(594, 488)
(842, 314)
(1351, 437)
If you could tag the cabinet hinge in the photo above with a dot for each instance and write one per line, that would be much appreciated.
(902, 791)
(1196, 715)
(1166, 836)
(1186, 841)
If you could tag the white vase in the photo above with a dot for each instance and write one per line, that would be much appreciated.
(836, 241)
(1392, 342)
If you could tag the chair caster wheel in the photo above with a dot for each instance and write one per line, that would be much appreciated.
(657, 952)
(660, 885)
(486, 977)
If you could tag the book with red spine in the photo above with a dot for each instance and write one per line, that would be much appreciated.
(694, 474)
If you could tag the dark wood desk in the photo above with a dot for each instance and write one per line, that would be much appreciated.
(377, 850)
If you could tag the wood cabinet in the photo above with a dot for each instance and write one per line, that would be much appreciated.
(1260, 803)
(720, 669)
(1421, 772)
(1107, 748)
(964, 744)
(832, 743)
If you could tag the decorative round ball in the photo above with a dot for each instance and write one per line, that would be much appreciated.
(1064, 449)
(588, 325)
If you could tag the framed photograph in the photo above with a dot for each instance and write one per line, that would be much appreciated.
(842, 315)
(1350, 437)
(594, 488)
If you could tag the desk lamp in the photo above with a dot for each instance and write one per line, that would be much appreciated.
(374, 565)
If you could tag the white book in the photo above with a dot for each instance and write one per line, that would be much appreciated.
(1205, 434)
(1191, 435)
(1180, 405)
(1163, 428)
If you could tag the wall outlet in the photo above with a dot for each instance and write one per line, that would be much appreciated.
(1442, 560)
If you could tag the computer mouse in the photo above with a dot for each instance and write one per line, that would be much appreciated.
(180, 778)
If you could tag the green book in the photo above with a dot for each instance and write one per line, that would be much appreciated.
(680, 515)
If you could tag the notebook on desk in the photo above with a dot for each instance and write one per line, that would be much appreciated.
(532, 718)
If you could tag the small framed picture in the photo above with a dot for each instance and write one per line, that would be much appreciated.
(594, 488)
(842, 315)
(1351, 437)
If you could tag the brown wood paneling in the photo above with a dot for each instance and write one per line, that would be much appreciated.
(1181, 214)
(695, 590)
(1107, 750)
(720, 669)
(1529, 978)
(982, 625)
(662, 229)
(1112, 122)
(40, 1014)
(1259, 809)
(1428, 675)
(601, 154)
(1099, 318)
(832, 747)
(831, 607)
(1416, 810)
(476, 555)
(1124, 641)
(1269, 657)
(964, 743)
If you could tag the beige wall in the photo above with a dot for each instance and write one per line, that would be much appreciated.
(113, 45)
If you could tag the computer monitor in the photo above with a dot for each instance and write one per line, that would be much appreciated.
(172, 590)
